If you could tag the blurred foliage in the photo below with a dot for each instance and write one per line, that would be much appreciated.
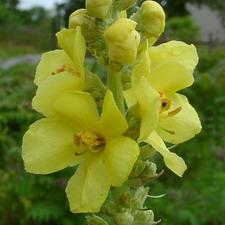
(24, 27)
(182, 28)
(178, 7)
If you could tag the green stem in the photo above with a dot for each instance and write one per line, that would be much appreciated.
(115, 85)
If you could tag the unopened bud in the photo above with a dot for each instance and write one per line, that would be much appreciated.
(150, 18)
(96, 220)
(143, 217)
(81, 18)
(140, 197)
(122, 40)
(124, 218)
(124, 4)
(98, 8)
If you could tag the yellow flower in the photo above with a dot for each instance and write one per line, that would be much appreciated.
(150, 18)
(164, 113)
(122, 40)
(98, 8)
(60, 70)
(77, 135)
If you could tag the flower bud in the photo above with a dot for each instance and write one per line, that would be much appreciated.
(124, 218)
(80, 18)
(124, 4)
(122, 40)
(77, 18)
(98, 8)
(140, 197)
(96, 220)
(143, 217)
(150, 18)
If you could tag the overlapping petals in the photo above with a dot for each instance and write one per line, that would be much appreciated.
(164, 114)
(52, 140)
(60, 70)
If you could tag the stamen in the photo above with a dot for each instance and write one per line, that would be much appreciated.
(66, 68)
(175, 111)
(168, 131)
(79, 154)
(92, 142)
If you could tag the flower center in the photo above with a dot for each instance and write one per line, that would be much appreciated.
(165, 102)
(89, 141)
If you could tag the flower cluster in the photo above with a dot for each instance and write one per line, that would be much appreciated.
(105, 129)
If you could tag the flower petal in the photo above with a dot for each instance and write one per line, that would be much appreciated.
(48, 146)
(88, 188)
(52, 64)
(120, 155)
(73, 43)
(176, 51)
(149, 104)
(182, 126)
(130, 97)
(172, 160)
(50, 90)
(77, 108)
(143, 66)
(110, 115)
(170, 77)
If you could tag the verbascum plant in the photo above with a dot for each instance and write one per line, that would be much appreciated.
(110, 130)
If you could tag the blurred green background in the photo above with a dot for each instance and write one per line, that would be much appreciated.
(197, 199)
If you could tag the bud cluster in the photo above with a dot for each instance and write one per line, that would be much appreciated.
(102, 25)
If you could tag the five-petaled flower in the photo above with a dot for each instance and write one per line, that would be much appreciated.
(165, 114)
(77, 135)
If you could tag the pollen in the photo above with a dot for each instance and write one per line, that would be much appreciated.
(175, 111)
(92, 141)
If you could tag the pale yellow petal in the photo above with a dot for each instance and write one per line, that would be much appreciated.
(52, 63)
(48, 146)
(73, 43)
(51, 89)
(170, 77)
(88, 188)
(78, 109)
(182, 126)
(120, 155)
(130, 97)
(176, 51)
(143, 67)
(149, 106)
(172, 160)
(112, 122)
